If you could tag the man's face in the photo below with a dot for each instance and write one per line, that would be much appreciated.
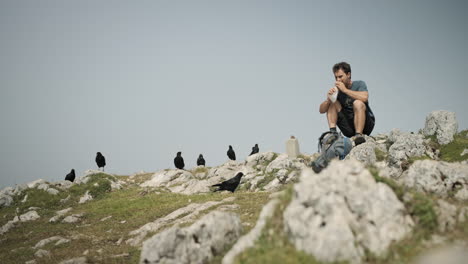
(340, 76)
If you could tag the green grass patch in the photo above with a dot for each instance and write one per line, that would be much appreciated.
(129, 208)
(380, 155)
(451, 152)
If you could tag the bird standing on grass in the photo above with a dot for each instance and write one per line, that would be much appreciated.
(229, 185)
(231, 154)
(200, 160)
(100, 161)
(255, 150)
(179, 161)
(70, 176)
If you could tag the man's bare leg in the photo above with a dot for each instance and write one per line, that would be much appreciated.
(332, 114)
(359, 116)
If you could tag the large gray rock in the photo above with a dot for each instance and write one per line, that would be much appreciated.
(405, 145)
(337, 214)
(364, 152)
(198, 243)
(438, 177)
(29, 216)
(443, 124)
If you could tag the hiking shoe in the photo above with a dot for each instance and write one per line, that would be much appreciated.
(359, 139)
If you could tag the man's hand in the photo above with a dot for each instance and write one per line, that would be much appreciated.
(341, 86)
(331, 91)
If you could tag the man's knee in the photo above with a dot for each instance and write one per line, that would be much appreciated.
(359, 105)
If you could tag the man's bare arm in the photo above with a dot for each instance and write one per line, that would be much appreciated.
(358, 95)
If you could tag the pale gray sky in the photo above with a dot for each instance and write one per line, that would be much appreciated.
(141, 80)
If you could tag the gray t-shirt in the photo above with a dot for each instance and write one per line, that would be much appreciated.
(347, 102)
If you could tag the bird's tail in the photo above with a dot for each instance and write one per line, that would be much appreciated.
(216, 185)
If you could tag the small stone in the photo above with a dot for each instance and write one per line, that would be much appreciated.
(42, 253)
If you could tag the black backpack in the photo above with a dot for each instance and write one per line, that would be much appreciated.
(331, 145)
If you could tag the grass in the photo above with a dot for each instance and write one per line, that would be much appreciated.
(91, 233)
(451, 152)
(380, 155)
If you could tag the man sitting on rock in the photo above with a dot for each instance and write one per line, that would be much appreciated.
(350, 109)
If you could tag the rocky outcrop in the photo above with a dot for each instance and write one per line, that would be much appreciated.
(438, 177)
(443, 124)
(198, 243)
(337, 214)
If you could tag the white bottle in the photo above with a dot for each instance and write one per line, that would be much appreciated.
(292, 147)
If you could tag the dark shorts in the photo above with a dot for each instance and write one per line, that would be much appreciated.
(346, 122)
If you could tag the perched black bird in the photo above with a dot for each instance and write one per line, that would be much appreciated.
(255, 150)
(231, 154)
(100, 160)
(229, 185)
(70, 176)
(179, 161)
(200, 160)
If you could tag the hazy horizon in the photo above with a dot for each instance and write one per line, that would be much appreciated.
(140, 81)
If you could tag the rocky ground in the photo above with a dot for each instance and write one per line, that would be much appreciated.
(401, 197)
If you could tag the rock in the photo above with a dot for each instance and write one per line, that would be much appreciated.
(198, 243)
(9, 225)
(72, 218)
(364, 152)
(284, 162)
(29, 216)
(42, 253)
(30, 262)
(86, 197)
(80, 260)
(443, 124)
(43, 242)
(5, 200)
(406, 145)
(35, 183)
(463, 214)
(438, 177)
(59, 214)
(449, 254)
(24, 199)
(178, 216)
(337, 214)
(248, 240)
(52, 191)
(259, 159)
(64, 200)
(464, 152)
(446, 215)
(106, 218)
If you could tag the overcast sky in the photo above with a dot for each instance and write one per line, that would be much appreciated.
(141, 80)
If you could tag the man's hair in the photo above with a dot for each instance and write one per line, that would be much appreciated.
(342, 66)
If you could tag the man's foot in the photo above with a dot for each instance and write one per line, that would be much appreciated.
(359, 139)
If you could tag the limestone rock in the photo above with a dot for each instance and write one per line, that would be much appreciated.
(72, 218)
(43, 242)
(29, 216)
(341, 211)
(446, 215)
(443, 124)
(438, 177)
(86, 197)
(198, 243)
(364, 152)
(42, 253)
(405, 145)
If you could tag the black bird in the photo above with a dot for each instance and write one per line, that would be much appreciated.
(231, 154)
(100, 160)
(179, 161)
(200, 160)
(255, 150)
(70, 176)
(229, 185)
